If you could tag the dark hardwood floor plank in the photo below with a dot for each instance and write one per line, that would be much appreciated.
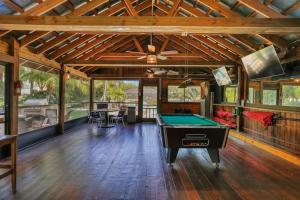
(129, 163)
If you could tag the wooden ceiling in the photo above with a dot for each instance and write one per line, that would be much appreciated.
(90, 51)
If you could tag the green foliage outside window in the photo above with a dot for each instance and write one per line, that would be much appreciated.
(115, 91)
(269, 97)
(291, 95)
(188, 94)
(230, 94)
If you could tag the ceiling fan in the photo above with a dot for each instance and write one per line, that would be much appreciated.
(152, 56)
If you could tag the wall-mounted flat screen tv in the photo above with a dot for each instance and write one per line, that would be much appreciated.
(221, 76)
(263, 63)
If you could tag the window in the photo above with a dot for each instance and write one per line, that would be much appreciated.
(188, 94)
(38, 103)
(116, 92)
(77, 94)
(291, 95)
(269, 97)
(251, 95)
(230, 94)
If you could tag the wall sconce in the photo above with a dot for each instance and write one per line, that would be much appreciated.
(68, 75)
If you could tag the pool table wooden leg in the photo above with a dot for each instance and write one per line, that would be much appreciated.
(172, 154)
(214, 155)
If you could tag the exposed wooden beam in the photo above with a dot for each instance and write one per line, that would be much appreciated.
(77, 12)
(137, 44)
(95, 52)
(292, 8)
(43, 7)
(174, 8)
(70, 46)
(229, 45)
(13, 6)
(216, 47)
(138, 63)
(130, 8)
(229, 13)
(165, 44)
(147, 24)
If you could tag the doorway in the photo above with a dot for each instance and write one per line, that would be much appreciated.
(149, 101)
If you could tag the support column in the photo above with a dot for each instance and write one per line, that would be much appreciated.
(61, 116)
(91, 94)
(140, 101)
(13, 98)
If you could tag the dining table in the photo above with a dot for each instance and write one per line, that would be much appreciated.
(106, 112)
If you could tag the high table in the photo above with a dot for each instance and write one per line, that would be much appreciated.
(11, 168)
(107, 111)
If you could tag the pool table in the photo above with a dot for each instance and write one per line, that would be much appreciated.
(191, 131)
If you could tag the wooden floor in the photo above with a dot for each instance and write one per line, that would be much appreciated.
(128, 163)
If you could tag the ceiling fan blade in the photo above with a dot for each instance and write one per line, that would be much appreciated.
(168, 52)
(136, 52)
(151, 48)
(161, 57)
(172, 72)
(142, 57)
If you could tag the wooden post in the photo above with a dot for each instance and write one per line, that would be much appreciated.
(140, 100)
(13, 98)
(92, 94)
(61, 116)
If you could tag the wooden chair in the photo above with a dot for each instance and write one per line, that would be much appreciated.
(119, 117)
(96, 116)
(12, 167)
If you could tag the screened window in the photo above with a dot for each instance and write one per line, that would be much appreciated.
(116, 92)
(251, 95)
(269, 97)
(38, 103)
(291, 95)
(230, 94)
(76, 98)
(188, 94)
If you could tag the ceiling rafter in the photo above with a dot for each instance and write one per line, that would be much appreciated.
(103, 47)
(14, 6)
(77, 12)
(112, 10)
(99, 39)
(38, 10)
(226, 12)
(198, 13)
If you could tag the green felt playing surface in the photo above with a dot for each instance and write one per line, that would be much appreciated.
(187, 120)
